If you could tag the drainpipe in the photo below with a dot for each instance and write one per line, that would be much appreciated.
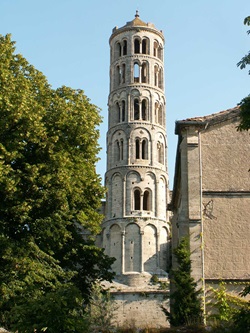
(202, 228)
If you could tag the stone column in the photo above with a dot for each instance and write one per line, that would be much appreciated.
(157, 235)
(123, 252)
(142, 250)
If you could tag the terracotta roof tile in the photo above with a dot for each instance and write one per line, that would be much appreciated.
(222, 114)
(136, 22)
(209, 119)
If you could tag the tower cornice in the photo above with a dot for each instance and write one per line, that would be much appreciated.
(137, 29)
(138, 57)
(136, 86)
(129, 167)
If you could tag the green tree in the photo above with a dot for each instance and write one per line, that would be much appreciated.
(241, 319)
(229, 313)
(50, 194)
(245, 102)
(185, 299)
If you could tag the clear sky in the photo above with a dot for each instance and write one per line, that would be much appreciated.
(68, 41)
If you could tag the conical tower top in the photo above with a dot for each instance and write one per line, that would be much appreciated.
(136, 22)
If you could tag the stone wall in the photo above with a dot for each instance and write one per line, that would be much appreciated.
(141, 309)
(225, 158)
(226, 202)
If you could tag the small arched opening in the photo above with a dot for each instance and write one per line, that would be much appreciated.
(160, 115)
(145, 46)
(144, 109)
(137, 148)
(144, 149)
(136, 73)
(123, 73)
(144, 73)
(146, 200)
(156, 75)
(136, 109)
(125, 47)
(123, 110)
(137, 45)
(137, 199)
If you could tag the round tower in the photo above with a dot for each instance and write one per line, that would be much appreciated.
(136, 229)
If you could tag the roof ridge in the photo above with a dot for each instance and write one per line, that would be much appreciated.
(206, 121)
(211, 116)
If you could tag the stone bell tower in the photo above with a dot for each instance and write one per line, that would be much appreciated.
(136, 229)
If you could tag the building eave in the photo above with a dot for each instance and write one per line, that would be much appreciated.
(207, 121)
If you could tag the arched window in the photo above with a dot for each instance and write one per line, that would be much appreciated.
(144, 149)
(123, 73)
(144, 109)
(155, 48)
(121, 150)
(145, 46)
(117, 106)
(136, 73)
(160, 79)
(117, 75)
(125, 47)
(137, 45)
(123, 110)
(137, 199)
(160, 52)
(141, 149)
(136, 109)
(118, 50)
(146, 200)
(137, 148)
(144, 73)
(117, 155)
(156, 75)
(156, 113)
(160, 115)
(160, 149)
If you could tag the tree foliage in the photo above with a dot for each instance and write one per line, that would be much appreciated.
(186, 300)
(246, 59)
(229, 313)
(245, 102)
(50, 194)
(244, 114)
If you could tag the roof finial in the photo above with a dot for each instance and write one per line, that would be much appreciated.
(137, 13)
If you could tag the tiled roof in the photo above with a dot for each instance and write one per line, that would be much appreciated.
(225, 113)
(208, 120)
(137, 22)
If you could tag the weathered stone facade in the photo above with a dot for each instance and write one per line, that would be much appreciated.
(211, 196)
(136, 228)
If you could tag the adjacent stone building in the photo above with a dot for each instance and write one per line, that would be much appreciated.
(211, 197)
(136, 229)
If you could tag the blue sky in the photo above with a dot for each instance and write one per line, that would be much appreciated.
(68, 41)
